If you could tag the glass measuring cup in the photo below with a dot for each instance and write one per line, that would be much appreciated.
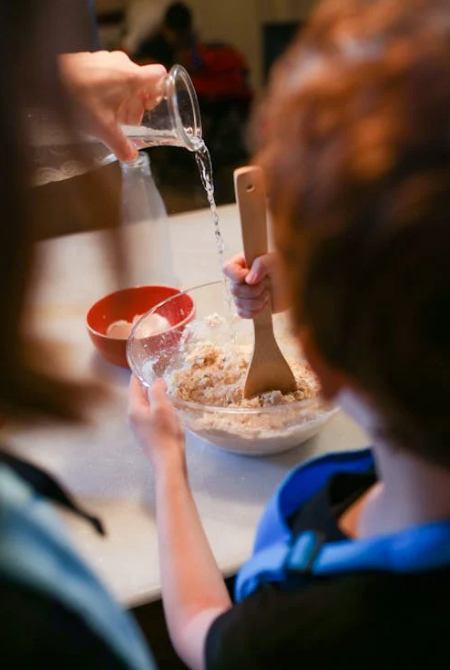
(175, 121)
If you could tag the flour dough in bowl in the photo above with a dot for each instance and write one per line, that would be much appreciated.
(204, 365)
(214, 375)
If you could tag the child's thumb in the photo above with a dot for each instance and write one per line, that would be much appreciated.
(258, 271)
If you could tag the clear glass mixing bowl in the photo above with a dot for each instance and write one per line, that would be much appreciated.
(202, 314)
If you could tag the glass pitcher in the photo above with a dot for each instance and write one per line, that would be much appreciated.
(175, 121)
(147, 235)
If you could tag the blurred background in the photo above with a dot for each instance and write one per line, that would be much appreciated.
(227, 47)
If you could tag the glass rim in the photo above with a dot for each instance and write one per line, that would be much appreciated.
(177, 74)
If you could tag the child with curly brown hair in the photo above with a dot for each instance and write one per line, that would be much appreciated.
(351, 564)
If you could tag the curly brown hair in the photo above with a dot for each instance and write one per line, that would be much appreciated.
(357, 153)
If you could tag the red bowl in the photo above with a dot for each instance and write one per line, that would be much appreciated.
(179, 310)
(124, 305)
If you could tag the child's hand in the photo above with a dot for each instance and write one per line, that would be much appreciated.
(253, 289)
(155, 425)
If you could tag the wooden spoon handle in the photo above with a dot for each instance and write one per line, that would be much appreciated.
(268, 369)
(251, 197)
(250, 189)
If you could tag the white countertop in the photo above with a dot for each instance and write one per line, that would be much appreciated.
(102, 465)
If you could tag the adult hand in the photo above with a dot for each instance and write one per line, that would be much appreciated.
(108, 89)
(256, 287)
(156, 426)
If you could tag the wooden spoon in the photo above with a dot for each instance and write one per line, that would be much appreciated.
(268, 369)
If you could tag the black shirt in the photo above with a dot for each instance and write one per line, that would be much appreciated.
(356, 620)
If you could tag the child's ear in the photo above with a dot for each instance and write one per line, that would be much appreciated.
(332, 380)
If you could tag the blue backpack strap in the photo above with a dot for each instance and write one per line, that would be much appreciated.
(274, 537)
(299, 486)
(274, 563)
(415, 550)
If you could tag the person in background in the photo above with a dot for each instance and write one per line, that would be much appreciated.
(54, 612)
(142, 18)
(351, 564)
(219, 73)
(175, 35)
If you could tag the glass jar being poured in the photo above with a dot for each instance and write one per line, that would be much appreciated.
(175, 121)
